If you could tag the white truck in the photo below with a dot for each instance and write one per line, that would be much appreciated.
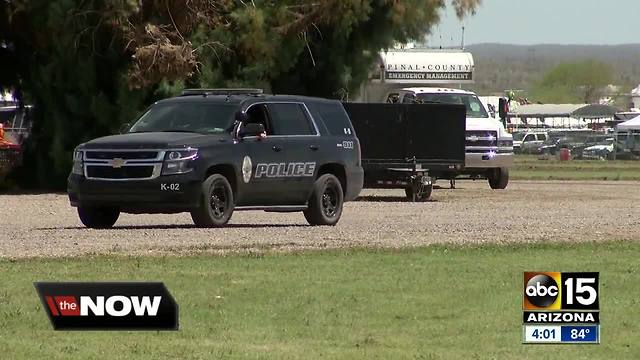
(488, 146)
(411, 74)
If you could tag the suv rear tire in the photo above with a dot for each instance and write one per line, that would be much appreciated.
(98, 217)
(216, 204)
(325, 204)
(498, 178)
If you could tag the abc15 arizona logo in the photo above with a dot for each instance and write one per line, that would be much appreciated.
(561, 291)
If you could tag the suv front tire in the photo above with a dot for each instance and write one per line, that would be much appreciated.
(216, 204)
(98, 217)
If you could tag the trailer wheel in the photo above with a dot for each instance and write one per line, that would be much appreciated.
(423, 193)
(498, 178)
(98, 217)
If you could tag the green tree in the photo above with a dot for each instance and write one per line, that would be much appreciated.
(577, 82)
(68, 67)
(89, 66)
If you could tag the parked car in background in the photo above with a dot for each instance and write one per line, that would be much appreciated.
(589, 141)
(10, 153)
(16, 121)
(549, 147)
(15, 125)
(528, 142)
(602, 150)
(553, 145)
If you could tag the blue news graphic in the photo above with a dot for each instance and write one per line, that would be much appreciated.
(579, 333)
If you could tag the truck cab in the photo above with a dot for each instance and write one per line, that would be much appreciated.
(488, 146)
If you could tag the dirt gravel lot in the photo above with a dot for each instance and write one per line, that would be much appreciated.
(45, 225)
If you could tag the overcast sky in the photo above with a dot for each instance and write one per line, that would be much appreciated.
(543, 22)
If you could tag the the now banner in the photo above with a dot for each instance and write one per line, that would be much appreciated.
(108, 305)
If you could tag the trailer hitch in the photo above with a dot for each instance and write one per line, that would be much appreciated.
(419, 181)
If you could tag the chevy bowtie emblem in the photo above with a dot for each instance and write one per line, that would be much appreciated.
(117, 163)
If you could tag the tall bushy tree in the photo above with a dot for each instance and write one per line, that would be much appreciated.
(70, 66)
(338, 57)
(89, 66)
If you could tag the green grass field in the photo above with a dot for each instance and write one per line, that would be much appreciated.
(434, 302)
(529, 167)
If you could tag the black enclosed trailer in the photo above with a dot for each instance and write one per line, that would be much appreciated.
(406, 145)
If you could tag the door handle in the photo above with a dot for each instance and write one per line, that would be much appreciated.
(276, 148)
(314, 147)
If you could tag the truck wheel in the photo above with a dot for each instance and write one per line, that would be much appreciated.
(423, 193)
(98, 217)
(216, 205)
(499, 178)
(325, 204)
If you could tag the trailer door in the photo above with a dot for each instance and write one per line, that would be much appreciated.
(381, 129)
(436, 132)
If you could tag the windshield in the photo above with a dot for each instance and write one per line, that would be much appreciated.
(518, 136)
(599, 140)
(608, 141)
(186, 117)
(471, 102)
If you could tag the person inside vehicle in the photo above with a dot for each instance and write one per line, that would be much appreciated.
(258, 114)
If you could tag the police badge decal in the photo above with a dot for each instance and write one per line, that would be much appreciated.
(246, 169)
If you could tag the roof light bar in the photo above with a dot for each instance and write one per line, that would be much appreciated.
(205, 92)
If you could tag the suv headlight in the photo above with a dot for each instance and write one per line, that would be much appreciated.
(505, 143)
(179, 161)
(78, 157)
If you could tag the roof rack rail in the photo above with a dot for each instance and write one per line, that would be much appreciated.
(228, 92)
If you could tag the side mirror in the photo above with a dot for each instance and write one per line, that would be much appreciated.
(124, 128)
(252, 129)
(503, 108)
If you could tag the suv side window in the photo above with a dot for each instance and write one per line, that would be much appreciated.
(290, 119)
(542, 137)
(258, 114)
(334, 117)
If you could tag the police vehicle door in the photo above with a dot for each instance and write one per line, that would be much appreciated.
(267, 156)
(292, 122)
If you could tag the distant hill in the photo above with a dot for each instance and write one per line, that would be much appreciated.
(501, 66)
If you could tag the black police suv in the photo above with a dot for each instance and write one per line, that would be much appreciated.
(212, 151)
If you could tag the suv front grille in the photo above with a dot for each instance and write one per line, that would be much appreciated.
(125, 172)
(481, 138)
(125, 155)
(123, 164)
